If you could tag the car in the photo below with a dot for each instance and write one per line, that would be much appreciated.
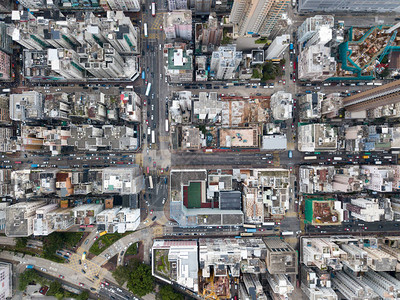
(61, 276)
(96, 237)
(83, 271)
(92, 289)
(154, 164)
(43, 269)
(284, 82)
(80, 262)
(147, 122)
(87, 241)
(151, 211)
(81, 284)
(163, 201)
(106, 283)
(154, 218)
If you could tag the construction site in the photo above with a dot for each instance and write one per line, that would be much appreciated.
(364, 50)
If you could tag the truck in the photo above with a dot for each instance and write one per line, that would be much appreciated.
(337, 158)
(290, 154)
(30, 266)
(291, 46)
(34, 165)
(6, 90)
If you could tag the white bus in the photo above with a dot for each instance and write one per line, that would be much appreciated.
(150, 182)
(153, 9)
(145, 30)
(337, 158)
(287, 233)
(153, 137)
(310, 157)
(148, 89)
(166, 125)
(269, 224)
(249, 226)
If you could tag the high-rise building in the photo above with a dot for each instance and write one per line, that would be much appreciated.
(277, 47)
(5, 281)
(177, 4)
(202, 7)
(316, 63)
(312, 25)
(124, 5)
(5, 66)
(225, 62)
(5, 39)
(349, 5)
(256, 16)
(178, 24)
(35, 4)
(379, 96)
(20, 218)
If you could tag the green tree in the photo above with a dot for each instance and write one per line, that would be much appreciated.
(21, 242)
(83, 296)
(27, 277)
(256, 73)
(56, 290)
(385, 73)
(121, 274)
(140, 281)
(167, 293)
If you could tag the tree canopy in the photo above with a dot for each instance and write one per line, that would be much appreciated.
(167, 293)
(138, 277)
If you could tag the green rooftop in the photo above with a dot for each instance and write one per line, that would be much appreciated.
(179, 60)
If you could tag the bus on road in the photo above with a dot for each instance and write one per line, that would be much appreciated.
(249, 225)
(150, 182)
(153, 137)
(310, 157)
(148, 89)
(251, 230)
(143, 74)
(287, 233)
(166, 125)
(153, 9)
(145, 30)
(246, 234)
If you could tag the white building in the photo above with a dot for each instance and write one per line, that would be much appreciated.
(317, 137)
(124, 5)
(207, 107)
(316, 63)
(5, 281)
(20, 218)
(27, 106)
(312, 25)
(41, 224)
(130, 106)
(118, 219)
(225, 62)
(367, 210)
(86, 214)
(122, 181)
(182, 257)
(282, 105)
(309, 106)
(378, 178)
(277, 47)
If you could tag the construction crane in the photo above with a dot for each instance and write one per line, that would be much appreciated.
(388, 46)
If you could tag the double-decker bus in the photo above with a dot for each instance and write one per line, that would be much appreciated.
(148, 89)
(249, 226)
(153, 9)
(145, 30)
